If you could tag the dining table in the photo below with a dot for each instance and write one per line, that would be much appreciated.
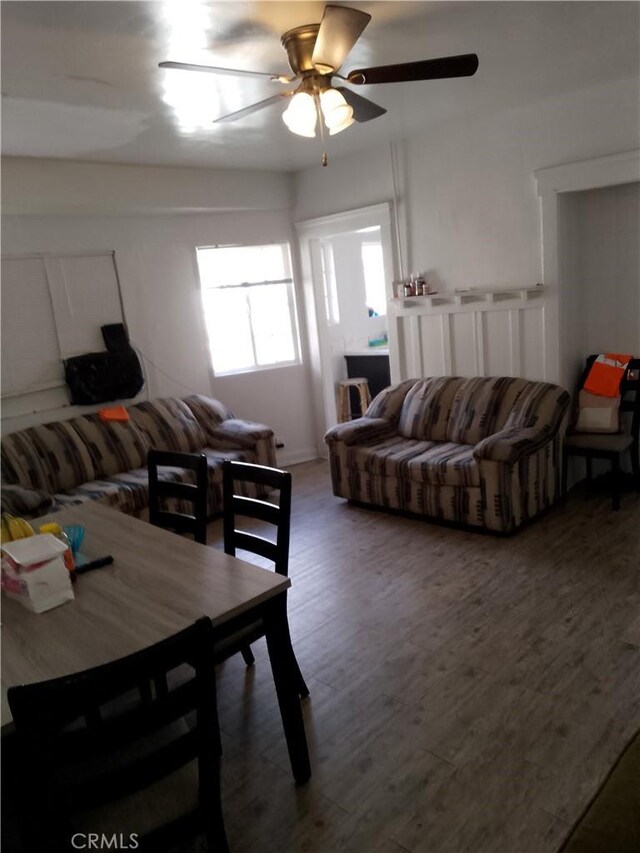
(158, 583)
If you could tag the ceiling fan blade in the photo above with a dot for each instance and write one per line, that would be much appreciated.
(363, 108)
(464, 65)
(212, 69)
(260, 105)
(340, 29)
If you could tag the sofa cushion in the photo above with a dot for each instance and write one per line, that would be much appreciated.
(111, 492)
(481, 407)
(169, 424)
(438, 463)
(62, 456)
(114, 446)
(427, 406)
(538, 404)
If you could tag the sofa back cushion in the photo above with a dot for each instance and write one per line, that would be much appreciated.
(21, 465)
(481, 407)
(427, 407)
(208, 412)
(114, 446)
(51, 457)
(168, 424)
(388, 403)
(539, 404)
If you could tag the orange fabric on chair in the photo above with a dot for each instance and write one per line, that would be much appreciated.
(115, 413)
(606, 374)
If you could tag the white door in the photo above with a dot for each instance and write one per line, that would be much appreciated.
(347, 262)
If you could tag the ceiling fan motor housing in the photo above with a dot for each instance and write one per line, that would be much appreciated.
(299, 43)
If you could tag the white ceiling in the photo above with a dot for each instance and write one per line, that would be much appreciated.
(80, 79)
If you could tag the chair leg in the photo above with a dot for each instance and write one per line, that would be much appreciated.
(247, 654)
(615, 484)
(303, 690)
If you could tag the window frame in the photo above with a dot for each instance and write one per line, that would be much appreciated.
(290, 285)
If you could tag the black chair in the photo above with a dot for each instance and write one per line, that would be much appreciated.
(611, 446)
(195, 493)
(98, 754)
(239, 506)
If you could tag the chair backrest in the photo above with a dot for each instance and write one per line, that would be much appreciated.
(195, 493)
(239, 505)
(89, 741)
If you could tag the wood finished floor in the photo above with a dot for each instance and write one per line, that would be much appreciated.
(468, 693)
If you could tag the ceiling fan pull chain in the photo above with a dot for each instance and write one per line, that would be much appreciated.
(316, 100)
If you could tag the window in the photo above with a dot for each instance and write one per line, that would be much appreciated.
(373, 268)
(329, 283)
(249, 307)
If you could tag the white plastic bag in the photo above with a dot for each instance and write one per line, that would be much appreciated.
(34, 573)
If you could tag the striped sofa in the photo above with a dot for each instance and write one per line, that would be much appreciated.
(86, 459)
(484, 452)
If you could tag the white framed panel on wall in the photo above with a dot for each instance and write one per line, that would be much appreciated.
(85, 295)
(463, 350)
(433, 360)
(497, 343)
(531, 323)
(473, 333)
(52, 308)
(30, 350)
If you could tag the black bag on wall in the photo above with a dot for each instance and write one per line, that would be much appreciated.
(101, 377)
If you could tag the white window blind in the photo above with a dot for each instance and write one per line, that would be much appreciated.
(52, 308)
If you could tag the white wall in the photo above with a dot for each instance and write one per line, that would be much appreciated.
(156, 262)
(469, 212)
(42, 186)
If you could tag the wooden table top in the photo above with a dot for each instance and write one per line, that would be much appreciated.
(159, 583)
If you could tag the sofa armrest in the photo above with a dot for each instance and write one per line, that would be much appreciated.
(235, 433)
(509, 445)
(26, 503)
(361, 429)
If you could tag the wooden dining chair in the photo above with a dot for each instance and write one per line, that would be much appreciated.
(611, 446)
(195, 493)
(98, 755)
(238, 480)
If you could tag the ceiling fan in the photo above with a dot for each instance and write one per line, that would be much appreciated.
(316, 53)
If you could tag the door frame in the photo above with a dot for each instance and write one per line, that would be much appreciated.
(310, 233)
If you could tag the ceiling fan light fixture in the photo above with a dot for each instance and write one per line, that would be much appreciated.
(338, 128)
(300, 116)
(338, 115)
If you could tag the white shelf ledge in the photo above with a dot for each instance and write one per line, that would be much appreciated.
(423, 304)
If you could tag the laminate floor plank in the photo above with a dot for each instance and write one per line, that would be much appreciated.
(468, 692)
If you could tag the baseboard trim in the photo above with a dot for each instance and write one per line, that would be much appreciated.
(294, 457)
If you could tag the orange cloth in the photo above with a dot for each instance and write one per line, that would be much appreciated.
(606, 374)
(115, 413)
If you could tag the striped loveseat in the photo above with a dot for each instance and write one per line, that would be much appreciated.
(484, 452)
(65, 463)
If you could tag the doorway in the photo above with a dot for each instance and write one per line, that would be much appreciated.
(347, 262)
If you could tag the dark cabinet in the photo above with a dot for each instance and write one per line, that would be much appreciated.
(375, 368)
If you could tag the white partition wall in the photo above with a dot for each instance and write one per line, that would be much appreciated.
(474, 333)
